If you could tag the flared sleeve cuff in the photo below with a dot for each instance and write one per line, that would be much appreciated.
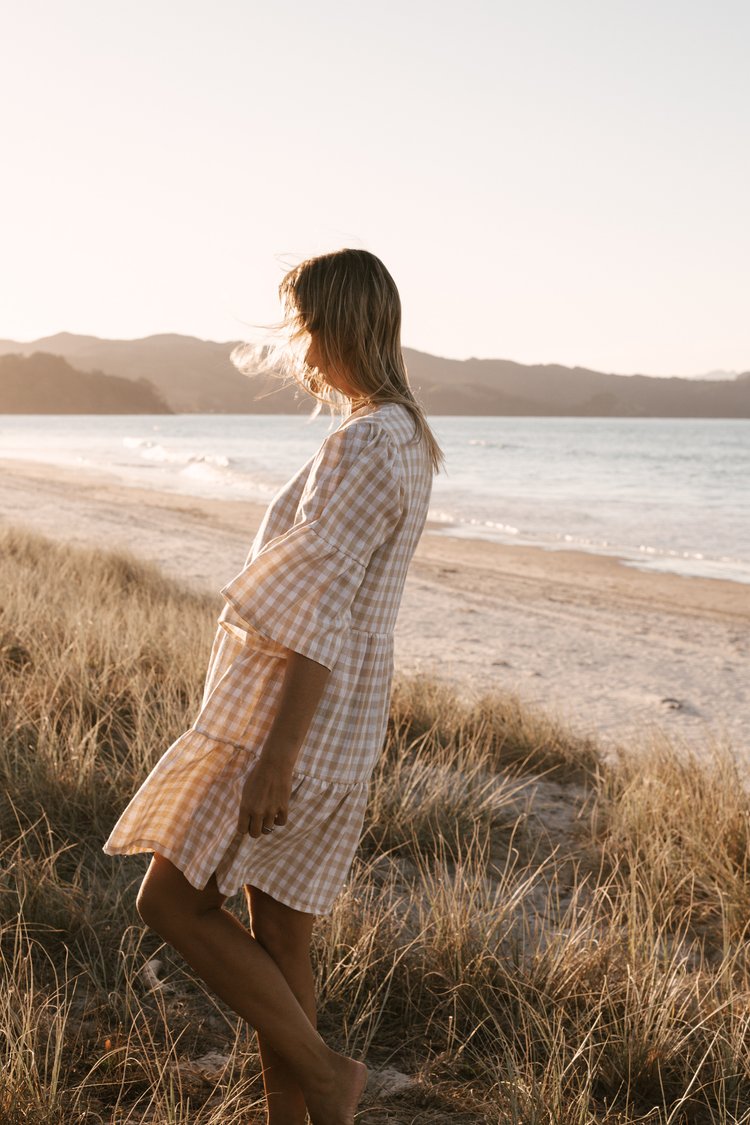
(298, 594)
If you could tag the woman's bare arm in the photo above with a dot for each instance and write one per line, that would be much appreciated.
(301, 691)
(265, 796)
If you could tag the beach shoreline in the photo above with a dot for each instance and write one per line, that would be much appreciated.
(610, 649)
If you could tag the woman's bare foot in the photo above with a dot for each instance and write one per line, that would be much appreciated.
(335, 1101)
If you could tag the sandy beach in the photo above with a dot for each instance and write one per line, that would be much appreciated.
(611, 650)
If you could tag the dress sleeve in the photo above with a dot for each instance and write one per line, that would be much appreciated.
(298, 588)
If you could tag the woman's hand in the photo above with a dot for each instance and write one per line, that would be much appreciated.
(265, 798)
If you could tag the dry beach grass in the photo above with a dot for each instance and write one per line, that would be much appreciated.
(532, 932)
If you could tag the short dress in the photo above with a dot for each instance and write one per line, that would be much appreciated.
(324, 577)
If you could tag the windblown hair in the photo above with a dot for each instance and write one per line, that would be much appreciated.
(349, 302)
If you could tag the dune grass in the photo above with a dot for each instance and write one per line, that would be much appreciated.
(533, 933)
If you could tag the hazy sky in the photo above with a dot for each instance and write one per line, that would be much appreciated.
(546, 181)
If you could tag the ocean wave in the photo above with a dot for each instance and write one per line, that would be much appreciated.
(215, 460)
(493, 525)
(205, 469)
(492, 444)
(439, 515)
(149, 450)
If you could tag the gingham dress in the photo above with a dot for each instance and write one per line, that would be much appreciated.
(324, 577)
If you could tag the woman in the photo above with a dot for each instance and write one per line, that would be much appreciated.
(267, 790)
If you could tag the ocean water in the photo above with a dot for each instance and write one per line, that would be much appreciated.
(662, 494)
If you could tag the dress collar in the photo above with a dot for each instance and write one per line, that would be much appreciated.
(363, 411)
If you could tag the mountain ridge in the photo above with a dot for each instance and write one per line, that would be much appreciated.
(192, 375)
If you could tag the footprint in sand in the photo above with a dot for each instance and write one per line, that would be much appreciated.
(672, 704)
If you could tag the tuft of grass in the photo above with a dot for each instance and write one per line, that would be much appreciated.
(532, 932)
(500, 729)
(675, 830)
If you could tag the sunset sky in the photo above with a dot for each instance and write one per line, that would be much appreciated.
(547, 182)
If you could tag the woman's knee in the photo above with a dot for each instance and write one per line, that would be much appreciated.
(166, 899)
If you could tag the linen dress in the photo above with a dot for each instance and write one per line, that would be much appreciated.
(324, 577)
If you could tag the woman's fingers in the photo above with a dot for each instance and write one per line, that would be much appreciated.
(264, 801)
(255, 827)
(261, 822)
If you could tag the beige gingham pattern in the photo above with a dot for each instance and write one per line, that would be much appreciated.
(324, 577)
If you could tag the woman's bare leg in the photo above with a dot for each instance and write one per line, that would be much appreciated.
(237, 968)
(285, 934)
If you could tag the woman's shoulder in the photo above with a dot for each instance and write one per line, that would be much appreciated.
(387, 437)
(362, 441)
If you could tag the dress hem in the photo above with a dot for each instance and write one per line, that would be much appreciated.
(138, 847)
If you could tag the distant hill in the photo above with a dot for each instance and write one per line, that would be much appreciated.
(47, 384)
(190, 374)
(500, 386)
(193, 375)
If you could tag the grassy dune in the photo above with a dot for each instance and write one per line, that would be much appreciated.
(531, 933)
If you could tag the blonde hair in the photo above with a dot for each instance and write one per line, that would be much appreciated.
(349, 302)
